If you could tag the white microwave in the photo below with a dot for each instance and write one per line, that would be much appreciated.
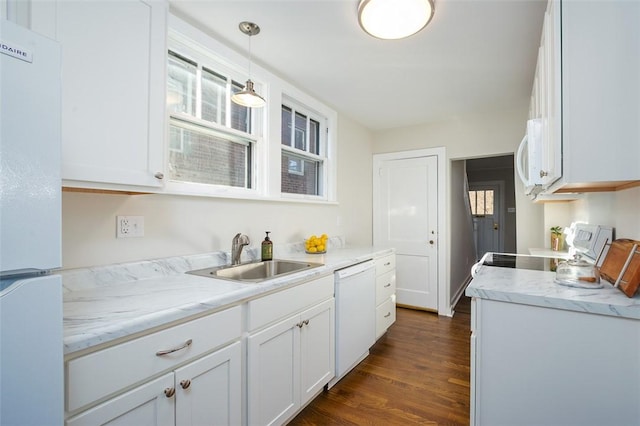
(529, 158)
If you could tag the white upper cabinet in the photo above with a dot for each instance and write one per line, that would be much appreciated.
(113, 89)
(591, 102)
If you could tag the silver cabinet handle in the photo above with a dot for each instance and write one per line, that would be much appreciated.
(388, 285)
(300, 324)
(543, 173)
(159, 175)
(184, 384)
(169, 392)
(170, 351)
(388, 315)
(387, 264)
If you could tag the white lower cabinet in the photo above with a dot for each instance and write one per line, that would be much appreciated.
(541, 366)
(145, 405)
(134, 383)
(385, 293)
(206, 391)
(292, 359)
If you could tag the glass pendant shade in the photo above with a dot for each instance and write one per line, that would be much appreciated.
(394, 19)
(248, 97)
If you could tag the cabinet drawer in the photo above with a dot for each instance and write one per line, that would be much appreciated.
(270, 308)
(385, 316)
(385, 264)
(385, 286)
(97, 375)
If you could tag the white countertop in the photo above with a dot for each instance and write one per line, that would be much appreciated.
(537, 288)
(110, 303)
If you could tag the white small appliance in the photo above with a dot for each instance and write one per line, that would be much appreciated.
(31, 345)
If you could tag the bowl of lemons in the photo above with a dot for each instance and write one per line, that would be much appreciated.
(316, 245)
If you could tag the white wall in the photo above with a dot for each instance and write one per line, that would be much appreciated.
(620, 209)
(463, 250)
(181, 225)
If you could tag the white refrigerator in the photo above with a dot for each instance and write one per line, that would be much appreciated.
(31, 346)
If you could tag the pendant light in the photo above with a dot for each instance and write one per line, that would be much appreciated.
(394, 19)
(248, 96)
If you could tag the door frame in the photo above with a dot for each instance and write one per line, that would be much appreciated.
(442, 230)
(500, 185)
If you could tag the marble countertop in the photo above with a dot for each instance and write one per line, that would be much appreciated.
(537, 288)
(110, 303)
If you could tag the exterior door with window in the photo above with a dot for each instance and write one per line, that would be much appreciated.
(485, 201)
(405, 217)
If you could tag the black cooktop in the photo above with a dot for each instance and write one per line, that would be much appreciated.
(519, 261)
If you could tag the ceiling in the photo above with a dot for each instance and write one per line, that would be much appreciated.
(474, 55)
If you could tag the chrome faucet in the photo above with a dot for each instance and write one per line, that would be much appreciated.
(237, 243)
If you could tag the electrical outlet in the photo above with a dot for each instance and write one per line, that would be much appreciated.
(129, 226)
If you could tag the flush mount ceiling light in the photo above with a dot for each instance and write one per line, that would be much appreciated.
(394, 19)
(248, 96)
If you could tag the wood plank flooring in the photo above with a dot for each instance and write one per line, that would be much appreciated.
(417, 373)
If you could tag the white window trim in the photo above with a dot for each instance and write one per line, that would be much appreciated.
(267, 156)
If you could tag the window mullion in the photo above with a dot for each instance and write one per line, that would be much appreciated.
(307, 134)
(292, 142)
(198, 112)
(227, 103)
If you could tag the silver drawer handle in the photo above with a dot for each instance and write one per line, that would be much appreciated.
(388, 285)
(388, 315)
(170, 351)
(387, 264)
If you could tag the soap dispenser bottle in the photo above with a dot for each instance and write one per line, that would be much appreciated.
(267, 248)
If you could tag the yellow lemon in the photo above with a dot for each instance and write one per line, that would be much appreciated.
(312, 250)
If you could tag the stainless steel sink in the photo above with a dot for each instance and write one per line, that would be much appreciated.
(255, 271)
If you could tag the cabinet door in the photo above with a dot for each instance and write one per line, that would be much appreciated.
(273, 373)
(317, 353)
(552, 147)
(113, 56)
(145, 405)
(208, 390)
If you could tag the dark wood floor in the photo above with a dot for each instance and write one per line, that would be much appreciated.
(417, 373)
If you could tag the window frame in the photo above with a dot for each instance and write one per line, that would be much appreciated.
(191, 50)
(310, 115)
(266, 170)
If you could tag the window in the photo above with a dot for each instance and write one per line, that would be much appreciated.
(303, 141)
(481, 202)
(211, 139)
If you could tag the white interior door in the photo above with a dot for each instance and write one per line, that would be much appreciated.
(405, 217)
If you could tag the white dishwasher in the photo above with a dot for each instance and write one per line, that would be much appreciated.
(355, 315)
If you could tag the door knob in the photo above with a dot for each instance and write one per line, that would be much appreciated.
(495, 226)
(431, 242)
(169, 392)
(184, 384)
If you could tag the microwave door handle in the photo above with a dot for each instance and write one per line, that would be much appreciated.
(519, 162)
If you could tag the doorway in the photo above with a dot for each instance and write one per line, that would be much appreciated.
(487, 204)
(494, 174)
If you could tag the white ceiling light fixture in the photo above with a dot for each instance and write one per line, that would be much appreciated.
(394, 19)
(248, 96)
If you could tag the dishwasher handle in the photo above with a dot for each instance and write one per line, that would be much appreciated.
(355, 269)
